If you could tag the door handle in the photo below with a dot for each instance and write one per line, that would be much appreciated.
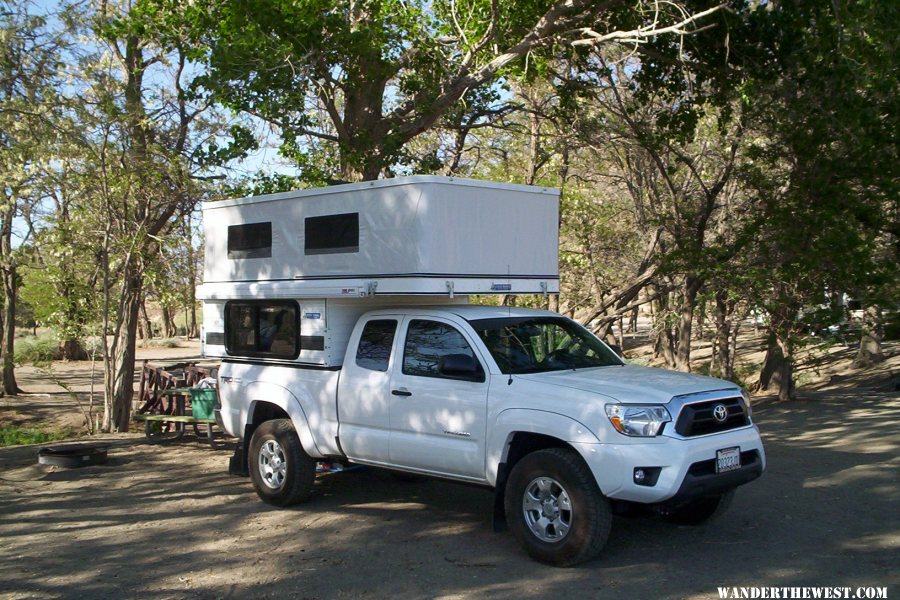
(401, 392)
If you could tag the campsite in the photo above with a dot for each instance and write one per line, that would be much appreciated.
(449, 299)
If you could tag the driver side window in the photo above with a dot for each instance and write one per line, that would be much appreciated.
(427, 342)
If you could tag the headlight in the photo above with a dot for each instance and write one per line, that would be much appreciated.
(639, 420)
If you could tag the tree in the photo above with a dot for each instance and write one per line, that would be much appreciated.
(825, 163)
(365, 78)
(147, 148)
(29, 66)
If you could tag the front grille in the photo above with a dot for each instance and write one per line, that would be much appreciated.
(698, 419)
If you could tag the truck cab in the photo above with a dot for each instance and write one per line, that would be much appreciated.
(483, 394)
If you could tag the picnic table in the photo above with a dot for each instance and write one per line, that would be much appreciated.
(171, 421)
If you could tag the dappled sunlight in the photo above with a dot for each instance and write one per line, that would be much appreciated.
(169, 522)
(889, 540)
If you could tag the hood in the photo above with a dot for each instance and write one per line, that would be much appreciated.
(632, 384)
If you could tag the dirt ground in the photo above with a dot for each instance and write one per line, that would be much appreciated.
(169, 522)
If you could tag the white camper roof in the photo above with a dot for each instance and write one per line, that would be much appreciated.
(410, 235)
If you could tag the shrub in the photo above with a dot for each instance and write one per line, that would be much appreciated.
(41, 350)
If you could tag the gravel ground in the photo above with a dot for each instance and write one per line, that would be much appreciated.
(169, 522)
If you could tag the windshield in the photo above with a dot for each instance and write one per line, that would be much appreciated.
(537, 344)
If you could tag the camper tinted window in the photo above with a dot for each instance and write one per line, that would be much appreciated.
(262, 329)
(332, 234)
(253, 240)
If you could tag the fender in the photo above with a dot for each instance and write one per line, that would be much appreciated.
(260, 391)
(529, 420)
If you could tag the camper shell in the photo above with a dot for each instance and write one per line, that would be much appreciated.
(342, 250)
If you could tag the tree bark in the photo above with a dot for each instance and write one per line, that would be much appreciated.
(167, 322)
(119, 380)
(10, 290)
(724, 309)
(686, 319)
(870, 351)
(8, 386)
(146, 324)
(73, 350)
(778, 370)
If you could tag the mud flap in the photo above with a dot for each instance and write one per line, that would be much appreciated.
(237, 464)
(499, 519)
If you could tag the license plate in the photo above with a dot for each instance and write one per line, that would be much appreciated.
(728, 459)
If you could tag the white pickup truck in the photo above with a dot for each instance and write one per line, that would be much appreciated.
(525, 402)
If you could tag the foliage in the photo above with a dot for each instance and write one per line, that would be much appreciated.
(39, 351)
(15, 435)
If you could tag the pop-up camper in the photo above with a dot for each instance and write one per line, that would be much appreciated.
(412, 240)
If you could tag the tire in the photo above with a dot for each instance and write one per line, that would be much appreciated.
(572, 524)
(282, 473)
(699, 511)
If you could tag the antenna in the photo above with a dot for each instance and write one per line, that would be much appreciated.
(509, 311)
(508, 307)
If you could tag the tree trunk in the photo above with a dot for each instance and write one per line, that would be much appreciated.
(145, 320)
(8, 386)
(534, 149)
(663, 344)
(120, 368)
(191, 325)
(778, 369)
(73, 350)
(722, 356)
(167, 322)
(686, 319)
(783, 376)
(870, 351)
(770, 363)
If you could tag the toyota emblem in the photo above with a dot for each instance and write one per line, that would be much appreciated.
(720, 412)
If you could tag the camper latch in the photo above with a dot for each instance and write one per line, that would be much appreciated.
(544, 288)
(373, 285)
(450, 289)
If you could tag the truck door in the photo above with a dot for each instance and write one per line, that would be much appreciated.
(437, 410)
(364, 391)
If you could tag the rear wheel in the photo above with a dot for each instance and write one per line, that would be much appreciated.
(555, 509)
(282, 473)
(699, 511)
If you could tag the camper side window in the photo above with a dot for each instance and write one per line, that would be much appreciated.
(331, 234)
(262, 328)
(253, 240)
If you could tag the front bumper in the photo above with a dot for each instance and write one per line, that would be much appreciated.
(688, 465)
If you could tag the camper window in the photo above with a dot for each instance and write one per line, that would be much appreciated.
(253, 240)
(262, 328)
(331, 234)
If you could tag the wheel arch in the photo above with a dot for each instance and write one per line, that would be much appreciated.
(269, 401)
(517, 432)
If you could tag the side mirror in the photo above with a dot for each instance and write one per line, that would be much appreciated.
(459, 366)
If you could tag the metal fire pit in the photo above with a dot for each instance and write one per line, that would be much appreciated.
(73, 455)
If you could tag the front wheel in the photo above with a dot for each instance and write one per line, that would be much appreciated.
(282, 473)
(555, 509)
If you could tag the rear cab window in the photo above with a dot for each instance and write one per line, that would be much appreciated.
(375, 344)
